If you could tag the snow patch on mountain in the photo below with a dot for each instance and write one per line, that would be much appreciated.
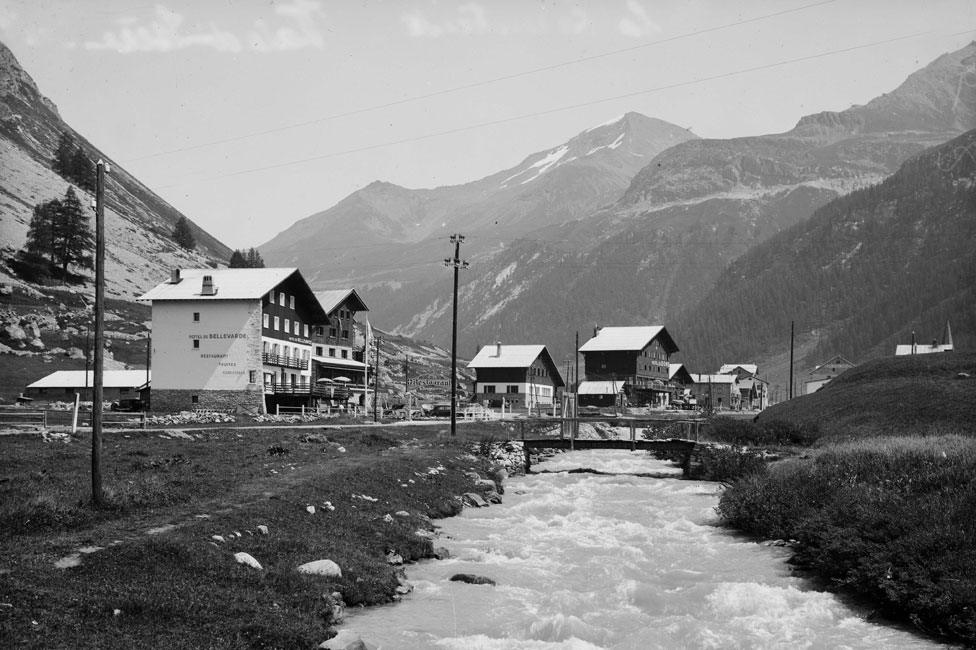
(504, 274)
(541, 166)
(613, 145)
(609, 123)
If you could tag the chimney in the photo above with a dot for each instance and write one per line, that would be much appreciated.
(498, 348)
(208, 289)
(174, 276)
(596, 329)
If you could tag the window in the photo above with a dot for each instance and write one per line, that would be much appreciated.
(345, 334)
(271, 296)
(489, 388)
(291, 302)
(287, 325)
(298, 328)
(319, 330)
(306, 330)
(264, 347)
(333, 332)
(281, 299)
(513, 389)
(196, 344)
(252, 376)
(277, 323)
(331, 352)
(267, 320)
(318, 350)
(345, 354)
(194, 399)
(196, 317)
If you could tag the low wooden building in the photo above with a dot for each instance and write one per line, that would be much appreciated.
(523, 376)
(62, 385)
(717, 392)
(753, 389)
(822, 374)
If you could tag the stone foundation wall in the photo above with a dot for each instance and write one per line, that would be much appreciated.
(230, 401)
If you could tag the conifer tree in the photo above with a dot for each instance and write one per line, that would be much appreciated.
(60, 232)
(237, 260)
(254, 259)
(183, 234)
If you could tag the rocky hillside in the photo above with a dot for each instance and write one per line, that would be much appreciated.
(860, 275)
(140, 249)
(651, 254)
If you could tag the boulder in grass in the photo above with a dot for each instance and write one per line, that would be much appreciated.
(263, 529)
(248, 560)
(346, 640)
(326, 568)
(471, 579)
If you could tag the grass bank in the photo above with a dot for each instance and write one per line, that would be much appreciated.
(889, 519)
(161, 578)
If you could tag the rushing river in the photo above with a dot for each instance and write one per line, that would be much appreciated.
(621, 561)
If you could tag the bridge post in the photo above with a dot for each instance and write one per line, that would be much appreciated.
(633, 436)
(527, 458)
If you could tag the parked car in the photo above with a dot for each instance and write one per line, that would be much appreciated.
(440, 411)
(129, 405)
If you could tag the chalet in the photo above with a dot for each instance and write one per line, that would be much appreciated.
(823, 373)
(921, 348)
(754, 390)
(338, 356)
(682, 381)
(524, 376)
(233, 339)
(720, 391)
(117, 384)
(635, 357)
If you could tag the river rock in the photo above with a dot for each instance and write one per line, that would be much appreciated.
(14, 332)
(262, 529)
(446, 508)
(247, 559)
(441, 553)
(472, 579)
(346, 640)
(326, 568)
(475, 500)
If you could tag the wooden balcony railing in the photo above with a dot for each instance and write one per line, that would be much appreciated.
(285, 361)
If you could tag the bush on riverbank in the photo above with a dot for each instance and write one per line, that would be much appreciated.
(770, 433)
(893, 520)
(723, 464)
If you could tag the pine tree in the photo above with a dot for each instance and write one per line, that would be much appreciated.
(74, 235)
(237, 260)
(183, 234)
(60, 232)
(82, 170)
(254, 259)
(61, 163)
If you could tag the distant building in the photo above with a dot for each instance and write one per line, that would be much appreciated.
(754, 390)
(823, 373)
(62, 385)
(637, 358)
(338, 356)
(921, 348)
(719, 391)
(232, 339)
(524, 376)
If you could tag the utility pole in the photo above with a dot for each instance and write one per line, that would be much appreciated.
(791, 360)
(98, 498)
(406, 382)
(458, 264)
(376, 381)
(148, 366)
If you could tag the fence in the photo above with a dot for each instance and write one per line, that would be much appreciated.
(20, 418)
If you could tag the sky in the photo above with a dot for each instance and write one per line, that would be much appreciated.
(250, 115)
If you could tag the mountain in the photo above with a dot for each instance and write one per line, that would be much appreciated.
(860, 275)
(138, 225)
(645, 255)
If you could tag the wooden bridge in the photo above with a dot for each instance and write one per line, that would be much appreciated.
(683, 445)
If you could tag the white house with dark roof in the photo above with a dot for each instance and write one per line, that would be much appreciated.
(524, 376)
(232, 339)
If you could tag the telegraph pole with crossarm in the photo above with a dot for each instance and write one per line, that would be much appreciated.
(458, 264)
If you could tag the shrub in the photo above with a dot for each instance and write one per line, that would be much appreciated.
(724, 464)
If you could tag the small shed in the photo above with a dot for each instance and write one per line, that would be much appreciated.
(117, 384)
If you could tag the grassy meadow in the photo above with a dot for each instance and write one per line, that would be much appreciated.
(160, 578)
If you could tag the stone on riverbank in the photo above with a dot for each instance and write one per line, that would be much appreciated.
(475, 500)
(326, 568)
(346, 640)
(247, 559)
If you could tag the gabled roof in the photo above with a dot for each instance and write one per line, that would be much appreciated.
(907, 349)
(76, 379)
(714, 379)
(750, 368)
(836, 360)
(679, 372)
(232, 284)
(515, 356)
(611, 339)
(330, 299)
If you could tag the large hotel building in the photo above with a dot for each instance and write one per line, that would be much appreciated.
(252, 340)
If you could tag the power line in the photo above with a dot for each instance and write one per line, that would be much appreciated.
(559, 109)
(477, 84)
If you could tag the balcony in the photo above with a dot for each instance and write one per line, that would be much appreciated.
(284, 361)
